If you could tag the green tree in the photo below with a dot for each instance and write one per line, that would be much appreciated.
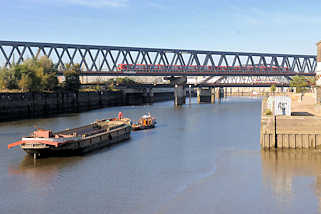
(1, 79)
(10, 77)
(300, 83)
(2, 82)
(71, 74)
(31, 77)
(50, 81)
(273, 88)
(311, 81)
(25, 83)
(46, 64)
(48, 73)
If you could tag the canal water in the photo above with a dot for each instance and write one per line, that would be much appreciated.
(200, 159)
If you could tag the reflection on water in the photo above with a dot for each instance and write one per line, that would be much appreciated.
(281, 167)
(42, 171)
(28, 163)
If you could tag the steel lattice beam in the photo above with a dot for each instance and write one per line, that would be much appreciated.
(104, 60)
(279, 80)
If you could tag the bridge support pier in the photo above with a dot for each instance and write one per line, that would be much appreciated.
(180, 95)
(220, 93)
(206, 95)
(213, 95)
(179, 89)
(203, 95)
(190, 94)
(149, 96)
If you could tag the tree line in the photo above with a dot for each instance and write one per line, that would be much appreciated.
(300, 83)
(38, 75)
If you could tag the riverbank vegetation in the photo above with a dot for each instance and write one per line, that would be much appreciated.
(125, 81)
(273, 88)
(72, 81)
(38, 75)
(302, 83)
(31, 75)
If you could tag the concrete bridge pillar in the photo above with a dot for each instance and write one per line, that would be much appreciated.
(179, 89)
(204, 95)
(213, 95)
(220, 93)
(190, 93)
(149, 95)
(180, 95)
(199, 95)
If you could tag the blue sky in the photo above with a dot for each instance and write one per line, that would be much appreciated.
(229, 25)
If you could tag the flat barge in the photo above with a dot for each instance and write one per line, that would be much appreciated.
(84, 139)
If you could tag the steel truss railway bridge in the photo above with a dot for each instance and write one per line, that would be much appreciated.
(105, 60)
(229, 69)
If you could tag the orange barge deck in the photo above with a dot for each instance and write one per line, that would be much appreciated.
(75, 141)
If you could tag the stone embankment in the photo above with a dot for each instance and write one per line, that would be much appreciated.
(301, 130)
(15, 106)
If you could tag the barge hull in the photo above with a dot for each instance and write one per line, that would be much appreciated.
(83, 146)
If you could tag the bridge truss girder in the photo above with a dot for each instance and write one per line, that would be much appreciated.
(279, 80)
(104, 60)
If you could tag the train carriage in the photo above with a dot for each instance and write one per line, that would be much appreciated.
(199, 68)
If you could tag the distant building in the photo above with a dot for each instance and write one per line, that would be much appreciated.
(318, 70)
(279, 105)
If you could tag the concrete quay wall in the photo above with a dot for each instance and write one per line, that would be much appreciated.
(290, 132)
(15, 106)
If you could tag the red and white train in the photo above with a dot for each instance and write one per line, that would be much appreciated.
(197, 68)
